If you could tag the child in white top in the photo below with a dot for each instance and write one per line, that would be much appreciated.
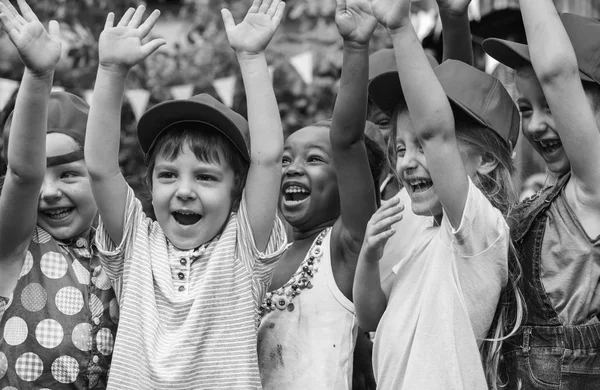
(453, 147)
(190, 283)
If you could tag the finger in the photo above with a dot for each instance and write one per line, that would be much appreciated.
(387, 222)
(12, 11)
(26, 11)
(16, 18)
(227, 19)
(254, 7)
(272, 8)
(264, 6)
(152, 46)
(8, 25)
(54, 29)
(279, 13)
(126, 18)
(136, 19)
(381, 238)
(110, 20)
(147, 26)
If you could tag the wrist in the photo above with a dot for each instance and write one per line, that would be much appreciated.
(356, 46)
(449, 13)
(400, 28)
(114, 69)
(40, 75)
(244, 56)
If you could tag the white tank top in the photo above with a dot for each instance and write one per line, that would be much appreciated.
(307, 341)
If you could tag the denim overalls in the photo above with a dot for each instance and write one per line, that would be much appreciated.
(545, 354)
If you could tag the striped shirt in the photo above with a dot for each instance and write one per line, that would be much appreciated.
(188, 317)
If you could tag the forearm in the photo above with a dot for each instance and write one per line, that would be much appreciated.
(457, 36)
(427, 103)
(349, 113)
(551, 51)
(264, 121)
(27, 147)
(104, 124)
(369, 299)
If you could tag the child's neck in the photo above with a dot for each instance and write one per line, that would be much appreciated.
(310, 233)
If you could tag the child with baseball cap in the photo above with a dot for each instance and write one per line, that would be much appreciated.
(556, 231)
(191, 282)
(58, 312)
(454, 131)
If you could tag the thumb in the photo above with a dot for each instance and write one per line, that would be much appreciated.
(227, 19)
(54, 29)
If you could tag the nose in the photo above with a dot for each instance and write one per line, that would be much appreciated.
(408, 161)
(185, 190)
(50, 190)
(295, 168)
(536, 125)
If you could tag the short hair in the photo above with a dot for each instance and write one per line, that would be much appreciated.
(208, 145)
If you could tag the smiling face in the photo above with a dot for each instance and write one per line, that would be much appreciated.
(537, 122)
(192, 199)
(309, 190)
(66, 208)
(411, 166)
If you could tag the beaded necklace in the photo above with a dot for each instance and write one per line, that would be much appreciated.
(282, 297)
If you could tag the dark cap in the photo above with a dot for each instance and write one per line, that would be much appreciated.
(583, 33)
(482, 97)
(385, 90)
(200, 109)
(67, 114)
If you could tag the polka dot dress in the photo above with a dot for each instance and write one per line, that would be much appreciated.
(58, 328)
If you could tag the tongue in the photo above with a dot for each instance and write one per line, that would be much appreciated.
(186, 219)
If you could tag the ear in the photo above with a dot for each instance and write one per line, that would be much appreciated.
(486, 164)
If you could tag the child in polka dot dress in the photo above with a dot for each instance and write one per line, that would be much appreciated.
(58, 312)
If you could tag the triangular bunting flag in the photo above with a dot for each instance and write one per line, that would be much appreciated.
(57, 88)
(304, 65)
(490, 64)
(138, 98)
(225, 87)
(7, 88)
(184, 91)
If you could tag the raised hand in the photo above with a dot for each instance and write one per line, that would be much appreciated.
(254, 33)
(392, 14)
(355, 20)
(454, 6)
(39, 49)
(121, 46)
(379, 228)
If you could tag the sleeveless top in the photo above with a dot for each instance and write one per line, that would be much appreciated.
(308, 329)
(59, 325)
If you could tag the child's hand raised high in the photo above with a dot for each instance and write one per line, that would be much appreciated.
(254, 33)
(379, 229)
(355, 20)
(39, 50)
(392, 14)
(121, 46)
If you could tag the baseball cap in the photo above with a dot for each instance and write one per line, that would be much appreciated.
(67, 114)
(385, 90)
(482, 97)
(581, 31)
(200, 109)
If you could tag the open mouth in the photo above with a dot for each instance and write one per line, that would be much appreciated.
(295, 194)
(550, 146)
(186, 217)
(419, 184)
(58, 213)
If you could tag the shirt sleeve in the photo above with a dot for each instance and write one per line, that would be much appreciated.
(481, 227)
(113, 256)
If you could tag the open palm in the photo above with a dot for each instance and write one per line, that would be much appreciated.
(39, 49)
(122, 45)
(391, 13)
(355, 21)
(254, 33)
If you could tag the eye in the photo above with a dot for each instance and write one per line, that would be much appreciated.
(165, 175)
(69, 175)
(383, 122)
(400, 151)
(285, 160)
(206, 178)
(525, 110)
(315, 158)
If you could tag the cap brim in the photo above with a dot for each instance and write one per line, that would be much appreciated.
(173, 112)
(513, 54)
(385, 92)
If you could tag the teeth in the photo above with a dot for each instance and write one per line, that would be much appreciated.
(58, 213)
(295, 189)
(549, 143)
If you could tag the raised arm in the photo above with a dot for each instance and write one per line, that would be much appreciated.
(555, 65)
(249, 40)
(369, 299)
(120, 48)
(456, 30)
(355, 24)
(429, 109)
(26, 156)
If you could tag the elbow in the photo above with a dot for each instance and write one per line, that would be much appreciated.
(366, 323)
(27, 175)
